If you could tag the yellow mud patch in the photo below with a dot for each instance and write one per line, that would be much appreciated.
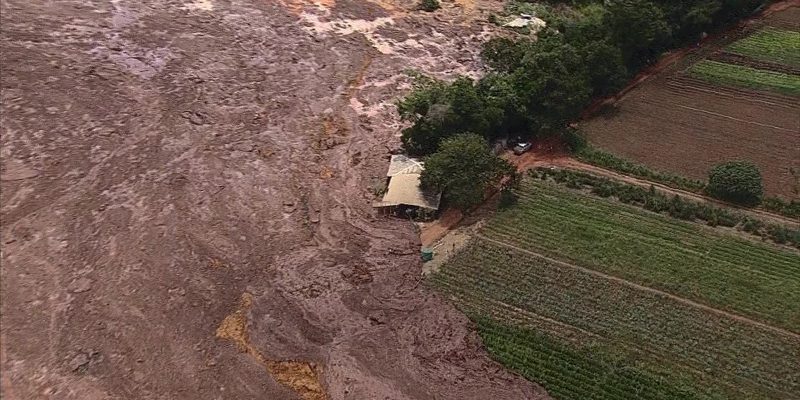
(300, 376)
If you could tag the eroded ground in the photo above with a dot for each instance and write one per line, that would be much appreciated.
(186, 205)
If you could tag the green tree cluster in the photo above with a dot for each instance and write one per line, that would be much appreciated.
(465, 169)
(536, 87)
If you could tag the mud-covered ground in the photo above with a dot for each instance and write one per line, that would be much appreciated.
(186, 192)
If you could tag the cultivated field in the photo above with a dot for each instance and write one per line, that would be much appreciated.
(596, 299)
(736, 98)
(770, 44)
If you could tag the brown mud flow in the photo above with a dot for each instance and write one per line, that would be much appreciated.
(161, 158)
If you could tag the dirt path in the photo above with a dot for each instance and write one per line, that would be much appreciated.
(647, 289)
(185, 205)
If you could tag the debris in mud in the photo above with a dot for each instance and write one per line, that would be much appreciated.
(358, 275)
(302, 377)
(326, 173)
(195, 118)
(80, 285)
(81, 361)
(264, 152)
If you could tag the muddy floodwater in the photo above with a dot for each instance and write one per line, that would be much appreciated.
(186, 203)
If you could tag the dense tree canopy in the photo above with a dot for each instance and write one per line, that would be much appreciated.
(537, 87)
(464, 169)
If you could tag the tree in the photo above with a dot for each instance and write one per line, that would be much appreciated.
(736, 181)
(552, 82)
(439, 110)
(464, 168)
(607, 73)
(640, 29)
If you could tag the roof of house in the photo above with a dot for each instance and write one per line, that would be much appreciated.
(402, 164)
(405, 189)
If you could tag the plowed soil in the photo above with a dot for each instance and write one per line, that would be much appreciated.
(186, 206)
(682, 125)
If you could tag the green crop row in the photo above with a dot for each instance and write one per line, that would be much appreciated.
(739, 75)
(569, 373)
(674, 206)
(774, 45)
(649, 337)
(600, 158)
(591, 155)
(689, 260)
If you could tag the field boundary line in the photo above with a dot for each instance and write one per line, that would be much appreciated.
(735, 119)
(645, 288)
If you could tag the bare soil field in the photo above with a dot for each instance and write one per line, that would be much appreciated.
(185, 204)
(679, 124)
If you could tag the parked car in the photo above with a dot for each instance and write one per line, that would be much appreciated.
(522, 147)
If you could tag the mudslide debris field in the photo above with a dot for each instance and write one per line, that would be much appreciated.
(186, 205)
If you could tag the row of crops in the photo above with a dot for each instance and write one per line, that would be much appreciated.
(740, 75)
(585, 336)
(648, 337)
(770, 44)
(687, 259)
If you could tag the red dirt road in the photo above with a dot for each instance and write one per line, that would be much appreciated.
(185, 205)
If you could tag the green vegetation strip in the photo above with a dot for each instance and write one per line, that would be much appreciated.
(686, 259)
(600, 158)
(738, 75)
(593, 156)
(674, 206)
(604, 340)
(774, 45)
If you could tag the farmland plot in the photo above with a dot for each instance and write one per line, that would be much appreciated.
(683, 258)
(775, 45)
(695, 115)
(584, 334)
(653, 337)
(739, 75)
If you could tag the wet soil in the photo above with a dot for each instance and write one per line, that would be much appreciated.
(186, 206)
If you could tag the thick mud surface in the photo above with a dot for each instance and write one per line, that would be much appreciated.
(186, 203)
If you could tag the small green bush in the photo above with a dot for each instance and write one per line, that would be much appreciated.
(507, 198)
(736, 181)
(429, 5)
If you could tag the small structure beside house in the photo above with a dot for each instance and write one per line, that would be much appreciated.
(403, 189)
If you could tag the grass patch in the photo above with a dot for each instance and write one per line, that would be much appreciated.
(738, 75)
(773, 45)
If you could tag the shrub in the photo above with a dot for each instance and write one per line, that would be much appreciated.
(507, 198)
(429, 5)
(736, 181)
(789, 209)
(574, 139)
